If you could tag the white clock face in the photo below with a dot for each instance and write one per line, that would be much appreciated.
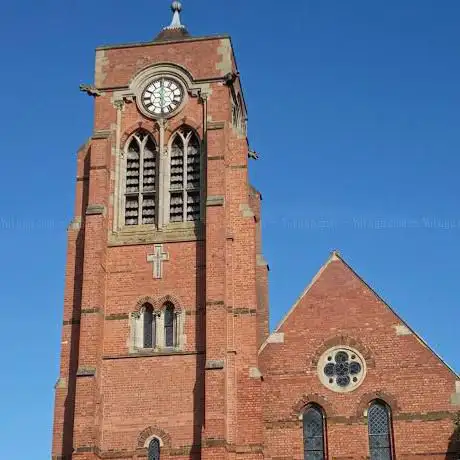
(162, 96)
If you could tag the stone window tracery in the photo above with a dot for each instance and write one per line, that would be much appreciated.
(341, 369)
(157, 190)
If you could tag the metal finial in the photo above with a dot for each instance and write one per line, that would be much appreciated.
(176, 8)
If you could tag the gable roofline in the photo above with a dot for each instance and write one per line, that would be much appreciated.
(332, 257)
(335, 256)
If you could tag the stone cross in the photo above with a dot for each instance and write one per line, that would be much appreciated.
(157, 259)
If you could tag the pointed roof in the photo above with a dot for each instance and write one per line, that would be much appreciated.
(176, 30)
(336, 257)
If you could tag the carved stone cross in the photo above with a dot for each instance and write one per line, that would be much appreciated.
(157, 259)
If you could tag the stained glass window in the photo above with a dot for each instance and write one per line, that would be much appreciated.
(185, 177)
(170, 325)
(341, 369)
(154, 450)
(149, 327)
(141, 178)
(379, 426)
(313, 433)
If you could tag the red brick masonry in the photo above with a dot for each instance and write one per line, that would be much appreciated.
(229, 393)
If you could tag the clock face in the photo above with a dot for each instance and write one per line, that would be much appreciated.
(162, 96)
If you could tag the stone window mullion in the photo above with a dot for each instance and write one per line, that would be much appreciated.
(160, 330)
(180, 329)
(176, 329)
(185, 179)
(163, 198)
(141, 180)
(156, 317)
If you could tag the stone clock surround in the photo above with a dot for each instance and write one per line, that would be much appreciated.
(165, 69)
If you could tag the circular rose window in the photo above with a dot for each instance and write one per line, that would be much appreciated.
(341, 369)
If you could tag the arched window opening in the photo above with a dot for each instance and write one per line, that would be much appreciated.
(141, 180)
(154, 449)
(170, 324)
(379, 427)
(313, 433)
(149, 327)
(185, 177)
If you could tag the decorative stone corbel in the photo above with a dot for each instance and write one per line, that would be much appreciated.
(119, 104)
(204, 95)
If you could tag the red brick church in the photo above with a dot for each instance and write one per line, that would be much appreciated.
(166, 348)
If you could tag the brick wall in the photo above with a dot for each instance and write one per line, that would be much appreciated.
(339, 309)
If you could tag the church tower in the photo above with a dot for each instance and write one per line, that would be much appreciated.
(166, 287)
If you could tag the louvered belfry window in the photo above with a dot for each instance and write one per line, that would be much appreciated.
(379, 427)
(185, 177)
(154, 449)
(141, 180)
(313, 433)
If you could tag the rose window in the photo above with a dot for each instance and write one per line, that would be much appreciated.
(341, 369)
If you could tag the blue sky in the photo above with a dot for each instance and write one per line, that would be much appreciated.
(354, 107)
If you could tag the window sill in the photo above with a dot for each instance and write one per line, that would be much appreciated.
(146, 353)
(147, 234)
(157, 351)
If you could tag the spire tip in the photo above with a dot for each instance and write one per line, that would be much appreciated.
(176, 8)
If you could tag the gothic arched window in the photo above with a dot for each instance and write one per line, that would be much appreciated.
(313, 433)
(170, 325)
(141, 180)
(154, 449)
(149, 327)
(379, 427)
(185, 177)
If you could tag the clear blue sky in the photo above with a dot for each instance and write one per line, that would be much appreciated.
(354, 107)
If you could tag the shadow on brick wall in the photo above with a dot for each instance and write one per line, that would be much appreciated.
(69, 405)
(200, 332)
(453, 451)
